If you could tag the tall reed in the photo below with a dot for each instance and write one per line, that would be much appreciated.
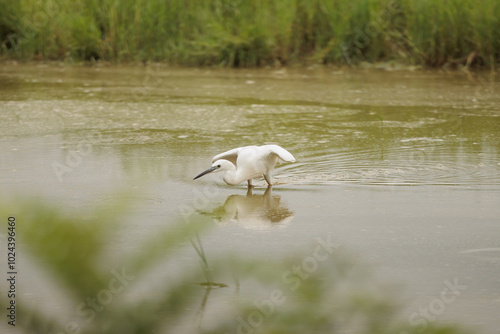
(253, 33)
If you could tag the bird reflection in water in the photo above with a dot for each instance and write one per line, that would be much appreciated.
(254, 212)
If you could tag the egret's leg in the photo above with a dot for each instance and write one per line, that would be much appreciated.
(250, 185)
(269, 179)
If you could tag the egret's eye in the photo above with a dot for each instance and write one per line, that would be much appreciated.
(218, 166)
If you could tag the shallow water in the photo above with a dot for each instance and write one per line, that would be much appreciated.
(402, 168)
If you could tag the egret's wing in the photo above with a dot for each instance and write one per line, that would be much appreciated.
(230, 155)
(280, 152)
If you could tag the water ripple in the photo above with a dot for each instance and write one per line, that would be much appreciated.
(394, 166)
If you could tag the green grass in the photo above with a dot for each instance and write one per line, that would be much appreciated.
(240, 33)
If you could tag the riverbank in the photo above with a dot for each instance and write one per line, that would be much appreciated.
(235, 33)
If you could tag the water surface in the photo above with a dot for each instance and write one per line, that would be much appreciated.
(402, 168)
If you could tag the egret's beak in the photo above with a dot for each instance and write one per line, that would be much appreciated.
(210, 170)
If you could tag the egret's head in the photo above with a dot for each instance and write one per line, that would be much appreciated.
(217, 166)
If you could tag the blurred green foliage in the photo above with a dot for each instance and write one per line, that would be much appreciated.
(253, 33)
(339, 294)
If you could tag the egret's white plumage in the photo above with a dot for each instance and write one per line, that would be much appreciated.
(248, 162)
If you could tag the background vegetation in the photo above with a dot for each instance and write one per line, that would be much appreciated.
(242, 33)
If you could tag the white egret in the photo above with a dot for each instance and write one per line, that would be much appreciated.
(248, 162)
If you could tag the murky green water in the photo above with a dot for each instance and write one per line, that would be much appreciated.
(401, 168)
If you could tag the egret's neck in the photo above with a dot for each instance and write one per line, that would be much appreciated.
(230, 177)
